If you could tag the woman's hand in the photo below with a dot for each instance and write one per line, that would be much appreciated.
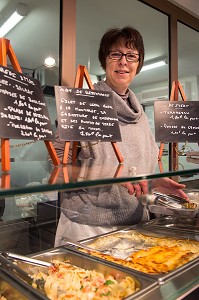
(163, 185)
(169, 186)
(137, 189)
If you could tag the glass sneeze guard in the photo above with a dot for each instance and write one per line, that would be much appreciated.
(38, 176)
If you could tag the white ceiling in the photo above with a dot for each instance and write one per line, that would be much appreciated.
(37, 35)
(191, 6)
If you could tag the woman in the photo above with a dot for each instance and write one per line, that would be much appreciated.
(98, 210)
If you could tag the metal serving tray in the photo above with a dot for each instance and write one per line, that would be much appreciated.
(163, 210)
(173, 285)
(178, 223)
(12, 288)
(171, 226)
(172, 205)
(187, 272)
(147, 285)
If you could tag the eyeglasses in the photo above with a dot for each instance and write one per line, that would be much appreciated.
(117, 55)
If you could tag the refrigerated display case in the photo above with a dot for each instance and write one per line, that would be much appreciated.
(32, 195)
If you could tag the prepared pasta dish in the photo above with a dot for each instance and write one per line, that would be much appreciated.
(66, 281)
(155, 260)
(152, 255)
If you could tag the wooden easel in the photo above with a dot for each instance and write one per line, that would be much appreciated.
(176, 87)
(80, 75)
(7, 50)
(62, 173)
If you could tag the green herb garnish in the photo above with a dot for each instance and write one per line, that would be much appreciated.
(107, 282)
(106, 294)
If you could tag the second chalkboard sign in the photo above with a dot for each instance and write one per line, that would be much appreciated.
(86, 115)
(176, 121)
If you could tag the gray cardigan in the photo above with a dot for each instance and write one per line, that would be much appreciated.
(112, 205)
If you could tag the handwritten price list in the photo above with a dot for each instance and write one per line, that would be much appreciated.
(85, 114)
(176, 121)
(23, 111)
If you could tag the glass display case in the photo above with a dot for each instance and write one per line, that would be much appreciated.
(42, 205)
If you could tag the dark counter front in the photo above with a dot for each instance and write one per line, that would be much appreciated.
(31, 234)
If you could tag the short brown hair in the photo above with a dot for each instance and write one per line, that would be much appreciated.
(127, 35)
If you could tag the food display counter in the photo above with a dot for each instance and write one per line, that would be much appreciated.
(133, 284)
(167, 256)
(33, 197)
(12, 287)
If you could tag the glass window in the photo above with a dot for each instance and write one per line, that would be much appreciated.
(188, 73)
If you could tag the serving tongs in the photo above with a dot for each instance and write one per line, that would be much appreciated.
(80, 245)
(25, 259)
(169, 201)
(104, 250)
(14, 269)
(20, 277)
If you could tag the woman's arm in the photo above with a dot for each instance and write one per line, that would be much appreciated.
(163, 185)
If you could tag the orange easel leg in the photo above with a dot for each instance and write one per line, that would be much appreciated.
(52, 152)
(5, 154)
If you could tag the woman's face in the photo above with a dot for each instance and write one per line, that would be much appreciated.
(120, 73)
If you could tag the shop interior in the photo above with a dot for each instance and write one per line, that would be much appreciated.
(36, 37)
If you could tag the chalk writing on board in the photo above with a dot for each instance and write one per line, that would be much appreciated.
(176, 121)
(85, 114)
(23, 110)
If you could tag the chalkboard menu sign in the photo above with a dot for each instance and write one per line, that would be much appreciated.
(176, 121)
(86, 115)
(23, 111)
